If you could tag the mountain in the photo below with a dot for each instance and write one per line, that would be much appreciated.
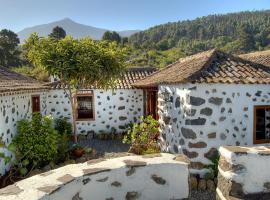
(174, 34)
(72, 28)
(236, 33)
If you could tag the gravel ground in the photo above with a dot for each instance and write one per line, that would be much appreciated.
(202, 195)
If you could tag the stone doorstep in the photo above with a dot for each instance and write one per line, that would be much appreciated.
(10, 190)
(91, 171)
(134, 163)
(66, 179)
(181, 158)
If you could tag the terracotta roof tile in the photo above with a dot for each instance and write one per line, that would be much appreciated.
(12, 81)
(211, 66)
(132, 75)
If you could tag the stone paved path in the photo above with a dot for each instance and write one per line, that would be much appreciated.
(105, 146)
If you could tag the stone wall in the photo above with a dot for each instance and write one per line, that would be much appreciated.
(196, 119)
(12, 109)
(113, 109)
(244, 173)
(157, 176)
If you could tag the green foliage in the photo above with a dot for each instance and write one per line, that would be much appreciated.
(35, 145)
(35, 72)
(213, 168)
(9, 51)
(63, 148)
(77, 63)
(36, 140)
(58, 33)
(112, 36)
(63, 126)
(143, 136)
(233, 33)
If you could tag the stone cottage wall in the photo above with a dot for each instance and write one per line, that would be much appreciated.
(113, 109)
(244, 173)
(198, 118)
(151, 177)
(14, 107)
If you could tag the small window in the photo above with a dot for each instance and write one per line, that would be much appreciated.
(35, 103)
(85, 107)
(261, 124)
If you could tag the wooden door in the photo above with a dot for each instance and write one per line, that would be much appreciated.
(36, 103)
(151, 103)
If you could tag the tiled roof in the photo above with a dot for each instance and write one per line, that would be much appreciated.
(261, 57)
(211, 66)
(12, 81)
(132, 75)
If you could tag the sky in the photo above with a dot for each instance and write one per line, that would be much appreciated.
(116, 14)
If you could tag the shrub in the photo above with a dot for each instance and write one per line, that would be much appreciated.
(213, 168)
(143, 137)
(63, 126)
(63, 148)
(36, 141)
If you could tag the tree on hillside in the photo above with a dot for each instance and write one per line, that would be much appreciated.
(111, 36)
(79, 64)
(246, 39)
(58, 33)
(9, 52)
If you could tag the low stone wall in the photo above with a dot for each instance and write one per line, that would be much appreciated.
(156, 176)
(244, 173)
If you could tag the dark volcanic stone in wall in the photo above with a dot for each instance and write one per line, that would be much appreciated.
(177, 102)
(212, 135)
(121, 107)
(122, 118)
(190, 154)
(166, 119)
(188, 133)
(175, 148)
(216, 100)
(211, 154)
(196, 101)
(206, 111)
(197, 145)
(198, 121)
(190, 112)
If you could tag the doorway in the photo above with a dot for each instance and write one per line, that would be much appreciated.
(150, 103)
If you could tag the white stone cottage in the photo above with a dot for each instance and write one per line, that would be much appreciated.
(19, 97)
(212, 99)
(104, 111)
(98, 111)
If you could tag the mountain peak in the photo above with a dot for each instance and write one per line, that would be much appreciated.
(72, 28)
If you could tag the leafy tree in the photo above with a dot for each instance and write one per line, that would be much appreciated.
(78, 63)
(111, 36)
(9, 52)
(58, 33)
(246, 39)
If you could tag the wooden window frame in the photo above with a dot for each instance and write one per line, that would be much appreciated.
(93, 104)
(33, 96)
(255, 141)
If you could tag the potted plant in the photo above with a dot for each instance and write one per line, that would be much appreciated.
(78, 150)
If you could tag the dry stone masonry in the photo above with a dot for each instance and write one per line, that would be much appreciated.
(156, 176)
(244, 173)
(196, 119)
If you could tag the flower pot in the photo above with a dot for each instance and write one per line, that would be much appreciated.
(78, 152)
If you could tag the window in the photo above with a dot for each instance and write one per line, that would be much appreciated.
(35, 103)
(261, 124)
(85, 106)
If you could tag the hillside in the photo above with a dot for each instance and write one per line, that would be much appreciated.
(235, 33)
(72, 28)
